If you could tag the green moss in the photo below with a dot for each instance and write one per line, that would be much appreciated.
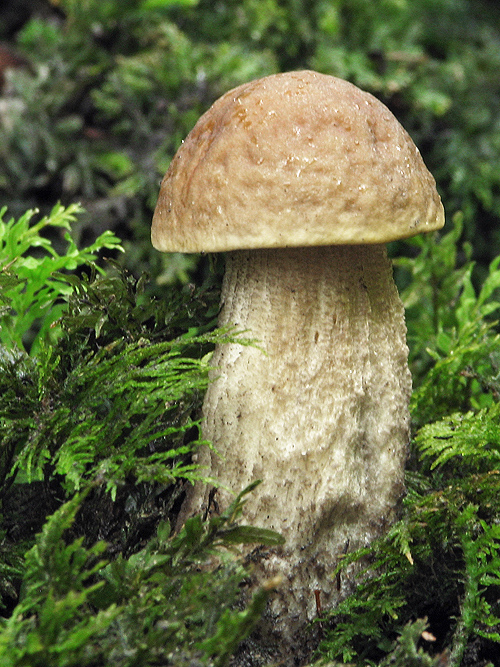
(162, 605)
(99, 425)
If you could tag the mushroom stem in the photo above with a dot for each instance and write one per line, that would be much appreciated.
(319, 412)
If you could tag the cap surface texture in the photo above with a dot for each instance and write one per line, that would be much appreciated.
(294, 159)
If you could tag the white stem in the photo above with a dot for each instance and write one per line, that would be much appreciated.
(322, 416)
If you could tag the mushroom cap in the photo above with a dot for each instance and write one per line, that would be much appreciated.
(294, 159)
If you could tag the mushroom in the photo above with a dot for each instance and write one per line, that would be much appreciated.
(301, 178)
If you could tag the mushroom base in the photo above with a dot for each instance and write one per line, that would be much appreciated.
(318, 412)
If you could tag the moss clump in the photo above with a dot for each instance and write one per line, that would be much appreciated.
(99, 425)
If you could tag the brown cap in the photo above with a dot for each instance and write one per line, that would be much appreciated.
(294, 159)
